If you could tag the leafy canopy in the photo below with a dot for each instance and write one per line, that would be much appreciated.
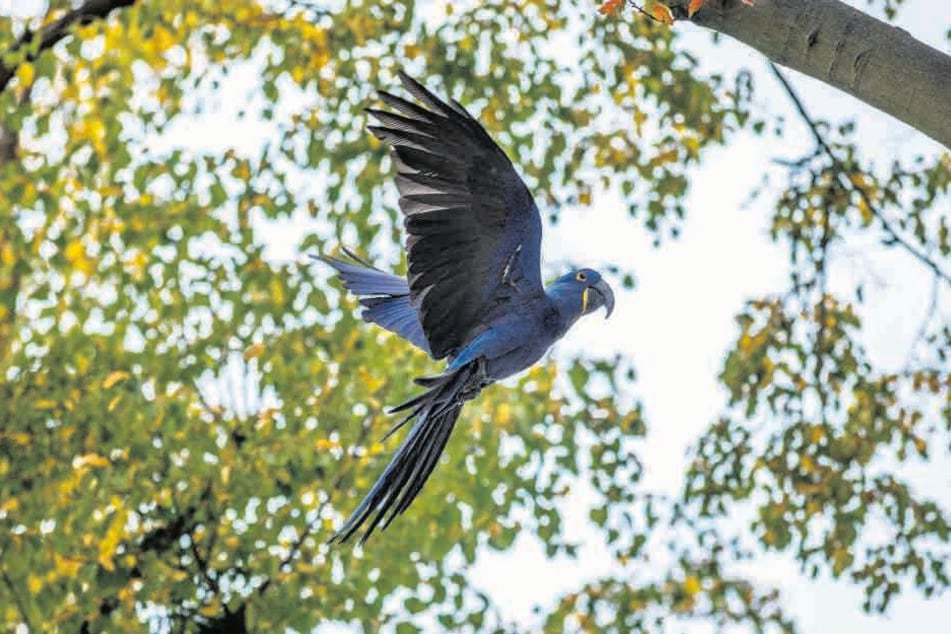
(188, 410)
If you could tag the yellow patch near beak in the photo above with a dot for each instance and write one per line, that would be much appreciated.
(584, 299)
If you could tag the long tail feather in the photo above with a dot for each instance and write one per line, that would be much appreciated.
(436, 412)
(398, 426)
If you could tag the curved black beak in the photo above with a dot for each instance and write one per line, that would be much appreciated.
(607, 296)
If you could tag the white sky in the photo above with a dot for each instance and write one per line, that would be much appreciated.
(678, 323)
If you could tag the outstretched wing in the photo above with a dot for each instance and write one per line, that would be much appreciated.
(474, 232)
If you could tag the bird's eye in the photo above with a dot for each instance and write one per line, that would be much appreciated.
(581, 277)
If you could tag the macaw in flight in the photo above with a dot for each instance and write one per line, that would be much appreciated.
(473, 292)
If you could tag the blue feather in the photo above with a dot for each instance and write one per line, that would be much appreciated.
(473, 292)
(384, 297)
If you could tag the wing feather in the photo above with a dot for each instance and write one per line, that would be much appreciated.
(469, 218)
(406, 107)
(399, 122)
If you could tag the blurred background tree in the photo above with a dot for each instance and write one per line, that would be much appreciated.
(187, 410)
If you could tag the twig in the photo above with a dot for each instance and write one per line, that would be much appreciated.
(16, 597)
(319, 12)
(821, 331)
(204, 568)
(931, 311)
(641, 10)
(841, 171)
(309, 528)
(49, 35)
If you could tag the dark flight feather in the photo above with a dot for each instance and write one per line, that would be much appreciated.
(472, 290)
(466, 213)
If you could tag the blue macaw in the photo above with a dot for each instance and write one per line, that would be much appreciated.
(473, 294)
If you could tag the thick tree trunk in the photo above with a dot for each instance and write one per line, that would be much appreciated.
(873, 61)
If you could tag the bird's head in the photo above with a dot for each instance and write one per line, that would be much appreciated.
(590, 290)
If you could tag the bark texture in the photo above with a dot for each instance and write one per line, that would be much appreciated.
(876, 62)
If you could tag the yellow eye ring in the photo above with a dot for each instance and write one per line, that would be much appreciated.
(581, 277)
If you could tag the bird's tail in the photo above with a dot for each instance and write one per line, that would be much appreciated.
(436, 411)
(385, 297)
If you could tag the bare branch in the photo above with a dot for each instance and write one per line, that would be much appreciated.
(849, 185)
(922, 335)
(49, 35)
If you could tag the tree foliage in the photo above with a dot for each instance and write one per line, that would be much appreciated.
(186, 414)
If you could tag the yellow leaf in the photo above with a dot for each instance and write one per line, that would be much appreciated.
(26, 73)
(323, 444)
(90, 460)
(114, 402)
(254, 351)
(667, 156)
(178, 575)
(694, 6)
(692, 585)
(503, 414)
(369, 382)
(7, 255)
(66, 566)
(45, 403)
(74, 251)
(19, 438)
(10, 505)
(114, 378)
(692, 144)
(94, 131)
(241, 171)
(746, 342)
(110, 541)
(34, 584)
(211, 609)
(162, 40)
(277, 291)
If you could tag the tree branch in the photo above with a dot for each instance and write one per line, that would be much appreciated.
(828, 40)
(16, 598)
(311, 526)
(842, 177)
(49, 35)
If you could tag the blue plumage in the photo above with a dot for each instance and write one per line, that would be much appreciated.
(384, 296)
(472, 294)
